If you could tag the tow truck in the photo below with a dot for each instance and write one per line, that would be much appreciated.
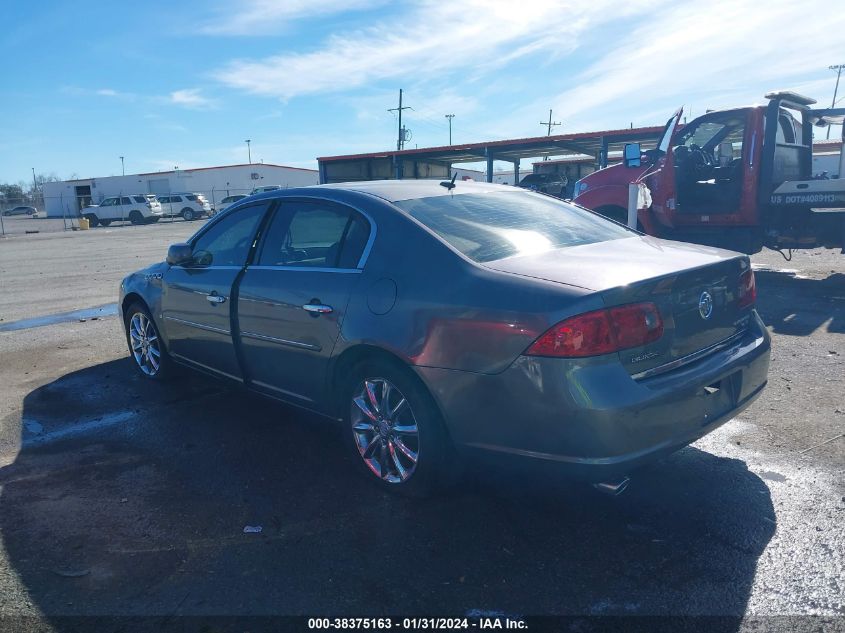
(739, 178)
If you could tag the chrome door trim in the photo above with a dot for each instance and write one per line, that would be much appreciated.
(689, 358)
(312, 269)
(199, 326)
(187, 361)
(264, 385)
(281, 341)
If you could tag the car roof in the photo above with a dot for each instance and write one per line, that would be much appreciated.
(396, 190)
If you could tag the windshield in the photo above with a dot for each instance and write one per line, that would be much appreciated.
(490, 226)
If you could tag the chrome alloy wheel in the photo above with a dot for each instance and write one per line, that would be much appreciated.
(146, 348)
(385, 430)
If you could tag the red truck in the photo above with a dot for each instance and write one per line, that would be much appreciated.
(739, 179)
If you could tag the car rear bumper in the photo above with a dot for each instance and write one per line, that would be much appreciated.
(589, 416)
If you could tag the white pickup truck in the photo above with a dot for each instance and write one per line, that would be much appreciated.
(136, 208)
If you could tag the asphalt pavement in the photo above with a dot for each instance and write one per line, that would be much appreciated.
(122, 498)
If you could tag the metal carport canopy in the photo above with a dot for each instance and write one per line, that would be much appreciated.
(594, 144)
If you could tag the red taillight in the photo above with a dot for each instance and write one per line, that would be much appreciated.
(747, 289)
(601, 332)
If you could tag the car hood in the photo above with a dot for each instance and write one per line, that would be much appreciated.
(614, 263)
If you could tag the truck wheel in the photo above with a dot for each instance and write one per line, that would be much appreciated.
(136, 218)
(187, 214)
(92, 219)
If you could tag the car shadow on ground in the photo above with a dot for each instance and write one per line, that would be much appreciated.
(145, 515)
(798, 306)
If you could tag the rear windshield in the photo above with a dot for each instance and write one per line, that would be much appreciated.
(490, 226)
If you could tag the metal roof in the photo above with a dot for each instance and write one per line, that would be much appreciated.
(589, 143)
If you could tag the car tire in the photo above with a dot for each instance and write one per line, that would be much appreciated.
(433, 465)
(187, 214)
(146, 347)
(136, 217)
(92, 220)
(104, 222)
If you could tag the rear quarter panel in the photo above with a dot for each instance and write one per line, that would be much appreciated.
(420, 300)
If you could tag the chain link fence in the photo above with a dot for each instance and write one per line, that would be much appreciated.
(118, 209)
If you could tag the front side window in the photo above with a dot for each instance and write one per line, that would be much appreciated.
(228, 241)
(140, 199)
(312, 235)
(490, 226)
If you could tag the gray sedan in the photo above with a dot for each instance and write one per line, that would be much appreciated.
(437, 320)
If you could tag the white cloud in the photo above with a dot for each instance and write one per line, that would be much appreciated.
(261, 17)
(431, 39)
(725, 53)
(191, 98)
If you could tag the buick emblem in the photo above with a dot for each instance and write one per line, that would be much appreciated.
(705, 305)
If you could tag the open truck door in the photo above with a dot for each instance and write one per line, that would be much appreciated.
(660, 179)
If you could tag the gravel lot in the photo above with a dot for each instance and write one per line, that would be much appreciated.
(123, 498)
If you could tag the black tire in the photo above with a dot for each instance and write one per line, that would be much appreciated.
(436, 464)
(92, 220)
(165, 364)
(188, 214)
(104, 222)
(152, 220)
(136, 217)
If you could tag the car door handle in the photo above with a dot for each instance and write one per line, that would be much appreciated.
(215, 299)
(317, 308)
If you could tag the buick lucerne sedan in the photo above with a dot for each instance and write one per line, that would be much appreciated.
(434, 320)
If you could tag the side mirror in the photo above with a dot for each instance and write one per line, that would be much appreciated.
(632, 154)
(179, 254)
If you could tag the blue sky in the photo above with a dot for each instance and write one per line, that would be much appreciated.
(167, 84)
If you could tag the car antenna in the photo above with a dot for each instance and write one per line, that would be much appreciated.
(449, 184)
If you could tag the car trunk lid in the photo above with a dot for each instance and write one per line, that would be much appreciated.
(696, 289)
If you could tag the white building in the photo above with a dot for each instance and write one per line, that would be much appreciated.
(215, 183)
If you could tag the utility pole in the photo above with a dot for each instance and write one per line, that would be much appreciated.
(838, 68)
(122, 167)
(248, 150)
(400, 139)
(450, 117)
(550, 123)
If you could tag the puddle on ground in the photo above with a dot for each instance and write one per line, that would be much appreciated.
(110, 309)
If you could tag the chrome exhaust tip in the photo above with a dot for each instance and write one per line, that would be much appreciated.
(613, 488)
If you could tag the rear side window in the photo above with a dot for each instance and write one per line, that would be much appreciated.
(315, 236)
(490, 226)
(192, 198)
(125, 201)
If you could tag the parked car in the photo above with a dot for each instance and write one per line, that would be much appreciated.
(226, 202)
(265, 189)
(141, 208)
(552, 184)
(22, 210)
(539, 332)
(189, 206)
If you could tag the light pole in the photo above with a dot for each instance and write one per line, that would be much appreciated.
(34, 186)
(248, 150)
(838, 68)
(122, 167)
(450, 117)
